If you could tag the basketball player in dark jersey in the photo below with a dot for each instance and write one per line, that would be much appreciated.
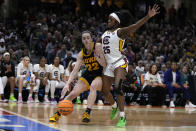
(91, 55)
(8, 73)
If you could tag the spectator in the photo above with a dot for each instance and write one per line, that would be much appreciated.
(131, 85)
(8, 73)
(61, 53)
(129, 53)
(162, 71)
(148, 59)
(68, 59)
(2, 45)
(154, 86)
(50, 51)
(139, 68)
(184, 76)
(146, 69)
(172, 79)
(193, 72)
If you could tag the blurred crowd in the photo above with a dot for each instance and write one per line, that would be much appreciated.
(50, 32)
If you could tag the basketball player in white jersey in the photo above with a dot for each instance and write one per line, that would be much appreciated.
(56, 77)
(41, 72)
(119, 29)
(25, 78)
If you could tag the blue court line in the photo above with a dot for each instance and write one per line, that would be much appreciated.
(19, 123)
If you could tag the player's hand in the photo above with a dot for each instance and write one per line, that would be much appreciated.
(45, 81)
(155, 10)
(65, 89)
(155, 85)
(27, 74)
(176, 85)
(9, 69)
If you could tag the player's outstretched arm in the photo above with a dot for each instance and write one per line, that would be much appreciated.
(99, 55)
(77, 66)
(126, 31)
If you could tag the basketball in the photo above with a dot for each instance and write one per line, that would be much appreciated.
(65, 107)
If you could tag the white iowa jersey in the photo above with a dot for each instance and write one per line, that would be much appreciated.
(22, 70)
(112, 46)
(56, 71)
(41, 70)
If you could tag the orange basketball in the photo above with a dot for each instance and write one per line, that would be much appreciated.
(65, 107)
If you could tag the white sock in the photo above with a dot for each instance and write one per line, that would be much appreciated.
(36, 95)
(12, 94)
(78, 97)
(30, 95)
(45, 96)
(19, 94)
(52, 90)
(122, 114)
(114, 105)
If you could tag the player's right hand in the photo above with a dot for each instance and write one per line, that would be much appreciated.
(65, 89)
(27, 74)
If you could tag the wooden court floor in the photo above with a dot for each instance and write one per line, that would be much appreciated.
(138, 118)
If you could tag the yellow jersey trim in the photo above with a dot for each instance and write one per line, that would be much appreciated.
(121, 45)
(124, 66)
(90, 51)
(85, 82)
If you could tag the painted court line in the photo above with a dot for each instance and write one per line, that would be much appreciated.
(36, 121)
(11, 125)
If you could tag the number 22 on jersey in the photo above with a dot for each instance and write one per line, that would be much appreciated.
(93, 66)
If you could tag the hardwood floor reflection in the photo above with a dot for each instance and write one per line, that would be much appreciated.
(138, 118)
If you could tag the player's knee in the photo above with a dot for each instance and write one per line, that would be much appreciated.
(12, 79)
(93, 87)
(20, 78)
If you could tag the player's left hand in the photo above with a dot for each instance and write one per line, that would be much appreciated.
(9, 69)
(155, 10)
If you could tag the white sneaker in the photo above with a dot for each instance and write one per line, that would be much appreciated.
(20, 99)
(171, 105)
(134, 104)
(191, 105)
(100, 102)
(187, 106)
(36, 100)
(148, 106)
(53, 101)
(5, 100)
(85, 102)
(172, 110)
(46, 100)
(30, 100)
